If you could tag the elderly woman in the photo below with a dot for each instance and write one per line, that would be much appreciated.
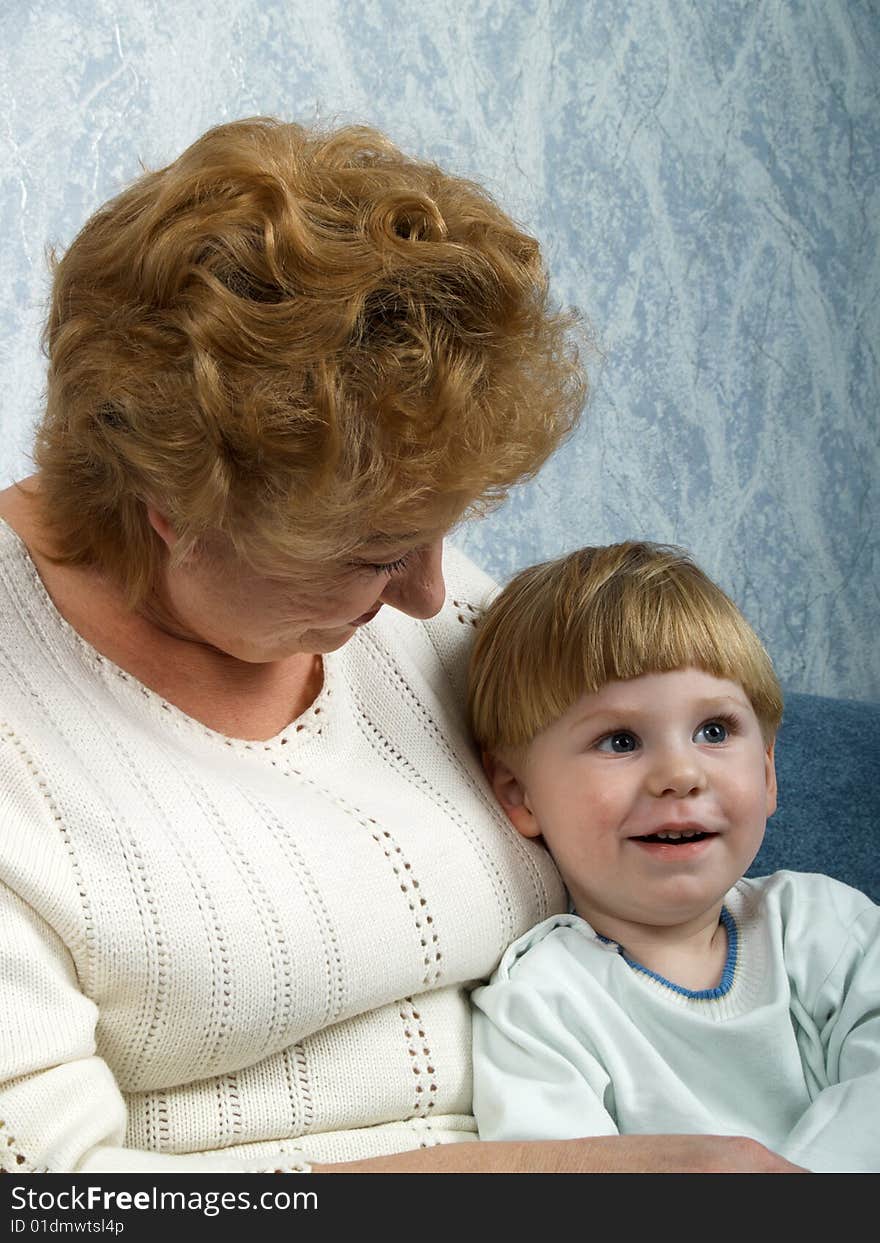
(249, 864)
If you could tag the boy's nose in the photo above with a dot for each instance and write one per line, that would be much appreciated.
(677, 773)
(420, 590)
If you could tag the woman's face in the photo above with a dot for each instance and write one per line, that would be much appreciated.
(257, 619)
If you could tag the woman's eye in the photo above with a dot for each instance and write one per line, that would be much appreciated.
(619, 743)
(384, 567)
(390, 567)
(712, 731)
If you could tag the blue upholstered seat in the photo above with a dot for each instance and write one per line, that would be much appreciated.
(828, 769)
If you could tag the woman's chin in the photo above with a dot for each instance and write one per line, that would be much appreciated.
(310, 643)
(320, 642)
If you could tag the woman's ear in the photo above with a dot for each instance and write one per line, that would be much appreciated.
(162, 527)
(770, 775)
(511, 794)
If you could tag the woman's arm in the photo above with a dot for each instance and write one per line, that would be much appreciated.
(62, 1110)
(617, 1154)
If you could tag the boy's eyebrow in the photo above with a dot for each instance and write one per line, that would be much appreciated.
(704, 704)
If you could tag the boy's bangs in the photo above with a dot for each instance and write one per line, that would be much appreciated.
(569, 627)
(657, 634)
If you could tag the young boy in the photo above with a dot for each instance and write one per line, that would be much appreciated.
(627, 714)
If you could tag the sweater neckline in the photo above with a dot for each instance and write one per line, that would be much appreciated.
(306, 724)
(700, 994)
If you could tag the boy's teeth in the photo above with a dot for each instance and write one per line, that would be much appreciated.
(675, 836)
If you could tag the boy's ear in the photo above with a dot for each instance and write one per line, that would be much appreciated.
(770, 774)
(511, 794)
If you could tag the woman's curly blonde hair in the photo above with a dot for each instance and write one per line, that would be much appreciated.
(300, 340)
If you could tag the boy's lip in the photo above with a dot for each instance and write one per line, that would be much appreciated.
(675, 826)
(673, 850)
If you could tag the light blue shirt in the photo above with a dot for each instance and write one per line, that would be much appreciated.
(572, 1039)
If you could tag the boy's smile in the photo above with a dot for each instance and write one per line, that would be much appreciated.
(652, 795)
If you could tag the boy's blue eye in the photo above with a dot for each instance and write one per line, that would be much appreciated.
(712, 731)
(619, 743)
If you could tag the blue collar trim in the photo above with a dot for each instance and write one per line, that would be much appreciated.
(702, 994)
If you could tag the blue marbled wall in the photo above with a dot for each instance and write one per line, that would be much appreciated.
(704, 177)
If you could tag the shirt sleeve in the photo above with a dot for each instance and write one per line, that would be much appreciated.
(840, 1131)
(532, 1078)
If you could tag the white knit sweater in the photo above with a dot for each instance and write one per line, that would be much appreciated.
(228, 955)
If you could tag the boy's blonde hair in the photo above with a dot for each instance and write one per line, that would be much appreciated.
(568, 627)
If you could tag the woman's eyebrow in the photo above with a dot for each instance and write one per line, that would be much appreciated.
(377, 547)
(375, 558)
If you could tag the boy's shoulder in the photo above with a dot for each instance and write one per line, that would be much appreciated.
(804, 905)
(563, 936)
(784, 888)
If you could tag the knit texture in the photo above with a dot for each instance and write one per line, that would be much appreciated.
(218, 954)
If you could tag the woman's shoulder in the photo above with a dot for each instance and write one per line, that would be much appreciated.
(467, 584)
(430, 653)
(16, 588)
(450, 633)
(19, 585)
(469, 591)
(17, 514)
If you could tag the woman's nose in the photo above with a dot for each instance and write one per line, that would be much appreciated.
(677, 772)
(420, 590)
